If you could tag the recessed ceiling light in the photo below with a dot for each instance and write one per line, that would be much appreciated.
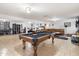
(28, 9)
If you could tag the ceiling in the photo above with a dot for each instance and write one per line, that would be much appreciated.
(39, 11)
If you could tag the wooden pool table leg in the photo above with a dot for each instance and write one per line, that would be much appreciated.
(35, 50)
(52, 39)
(24, 44)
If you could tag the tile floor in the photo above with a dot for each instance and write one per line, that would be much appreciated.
(10, 45)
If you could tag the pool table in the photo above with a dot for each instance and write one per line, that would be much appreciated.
(35, 39)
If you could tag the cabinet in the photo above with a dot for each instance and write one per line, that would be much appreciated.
(4, 27)
(16, 28)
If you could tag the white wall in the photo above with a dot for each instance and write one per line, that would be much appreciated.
(29, 21)
(58, 24)
(69, 30)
